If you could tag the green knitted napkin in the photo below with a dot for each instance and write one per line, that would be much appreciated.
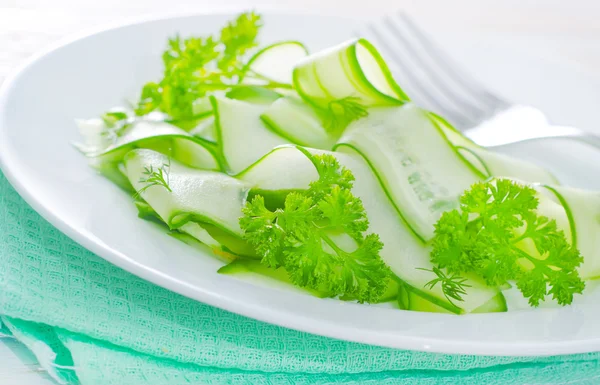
(90, 322)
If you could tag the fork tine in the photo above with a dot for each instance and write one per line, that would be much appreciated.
(447, 64)
(419, 87)
(469, 108)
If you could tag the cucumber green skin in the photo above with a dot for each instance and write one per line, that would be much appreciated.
(495, 305)
(115, 155)
(179, 219)
(568, 211)
(468, 146)
(247, 266)
(189, 123)
(214, 103)
(231, 242)
(439, 130)
(243, 172)
(110, 159)
(273, 199)
(348, 54)
(419, 299)
(383, 186)
(486, 171)
(271, 125)
(145, 211)
(290, 127)
(110, 170)
(191, 241)
(410, 298)
(253, 94)
(219, 134)
(382, 183)
(265, 49)
(401, 96)
(474, 169)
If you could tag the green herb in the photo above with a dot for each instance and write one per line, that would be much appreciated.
(152, 177)
(238, 38)
(116, 122)
(498, 235)
(453, 286)
(304, 236)
(341, 112)
(113, 118)
(197, 66)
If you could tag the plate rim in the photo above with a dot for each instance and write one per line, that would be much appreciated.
(262, 313)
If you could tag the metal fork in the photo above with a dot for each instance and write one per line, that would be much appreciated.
(438, 83)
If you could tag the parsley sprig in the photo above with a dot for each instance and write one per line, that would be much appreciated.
(303, 236)
(197, 66)
(499, 236)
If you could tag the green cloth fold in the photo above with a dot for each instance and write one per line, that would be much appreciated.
(91, 322)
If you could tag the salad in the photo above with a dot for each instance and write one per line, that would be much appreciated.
(315, 169)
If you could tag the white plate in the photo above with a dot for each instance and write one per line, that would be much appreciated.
(85, 76)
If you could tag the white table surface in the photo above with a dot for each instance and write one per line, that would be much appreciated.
(567, 30)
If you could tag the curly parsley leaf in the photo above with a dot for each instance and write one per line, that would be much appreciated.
(197, 66)
(238, 37)
(305, 237)
(499, 236)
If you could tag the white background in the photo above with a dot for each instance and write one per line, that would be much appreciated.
(567, 30)
(27, 25)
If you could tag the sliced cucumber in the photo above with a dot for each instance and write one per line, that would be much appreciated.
(232, 243)
(402, 252)
(351, 69)
(410, 299)
(243, 137)
(495, 305)
(145, 211)
(199, 233)
(224, 244)
(272, 171)
(112, 172)
(206, 130)
(247, 269)
(298, 122)
(275, 62)
(197, 196)
(583, 210)
(492, 163)
(94, 133)
(202, 107)
(418, 168)
(391, 292)
(242, 266)
(159, 136)
(217, 252)
(271, 178)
